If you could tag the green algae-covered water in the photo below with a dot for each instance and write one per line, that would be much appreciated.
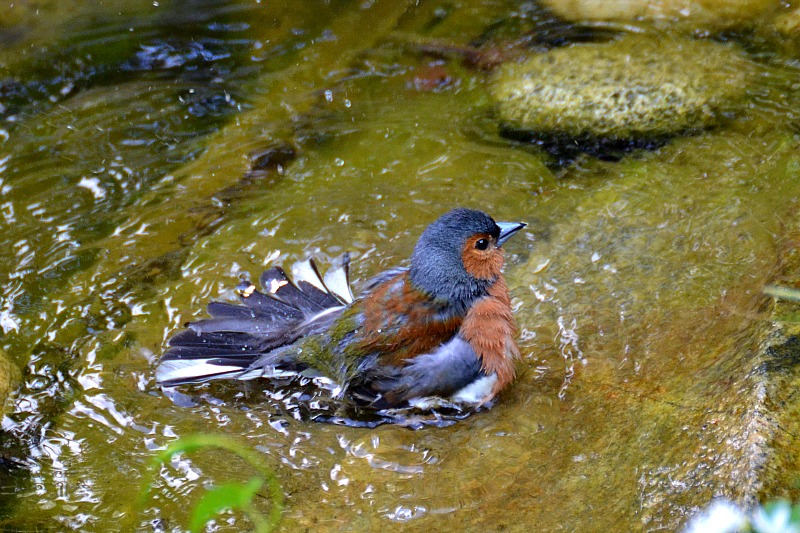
(153, 152)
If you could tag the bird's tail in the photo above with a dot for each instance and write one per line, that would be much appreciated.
(226, 345)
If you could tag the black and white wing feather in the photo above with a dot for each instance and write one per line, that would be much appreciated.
(225, 345)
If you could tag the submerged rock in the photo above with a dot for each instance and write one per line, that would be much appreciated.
(788, 23)
(782, 363)
(652, 289)
(9, 379)
(636, 87)
(704, 15)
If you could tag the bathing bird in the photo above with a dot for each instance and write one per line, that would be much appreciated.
(443, 327)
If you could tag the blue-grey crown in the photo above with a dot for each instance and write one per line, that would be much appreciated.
(436, 265)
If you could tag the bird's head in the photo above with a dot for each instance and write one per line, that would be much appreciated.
(460, 255)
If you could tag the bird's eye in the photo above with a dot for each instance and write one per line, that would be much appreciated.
(482, 244)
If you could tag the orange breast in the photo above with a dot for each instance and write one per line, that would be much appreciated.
(490, 329)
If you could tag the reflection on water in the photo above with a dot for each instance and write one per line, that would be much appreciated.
(150, 155)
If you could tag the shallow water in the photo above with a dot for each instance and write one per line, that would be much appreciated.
(132, 193)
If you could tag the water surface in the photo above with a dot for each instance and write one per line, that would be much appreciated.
(136, 184)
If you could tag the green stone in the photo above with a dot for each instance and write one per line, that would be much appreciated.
(691, 15)
(634, 87)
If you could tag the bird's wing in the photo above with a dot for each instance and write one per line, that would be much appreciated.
(227, 344)
(441, 372)
(383, 277)
(398, 322)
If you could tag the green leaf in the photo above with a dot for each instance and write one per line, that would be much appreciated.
(267, 479)
(232, 495)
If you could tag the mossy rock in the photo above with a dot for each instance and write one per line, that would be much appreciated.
(635, 87)
(9, 379)
(694, 15)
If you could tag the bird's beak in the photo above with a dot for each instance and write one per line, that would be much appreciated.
(507, 229)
